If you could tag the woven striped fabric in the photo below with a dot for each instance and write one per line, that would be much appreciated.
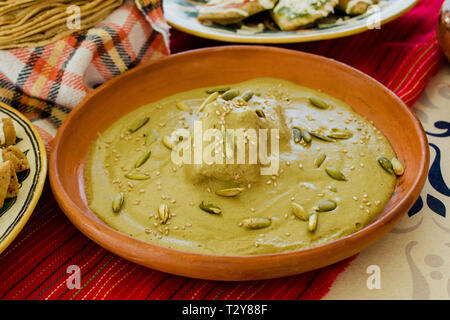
(403, 55)
(47, 82)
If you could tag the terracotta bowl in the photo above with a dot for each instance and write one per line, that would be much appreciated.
(216, 66)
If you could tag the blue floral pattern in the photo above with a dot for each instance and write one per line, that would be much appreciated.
(435, 177)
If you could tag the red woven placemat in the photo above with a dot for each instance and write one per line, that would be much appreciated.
(403, 55)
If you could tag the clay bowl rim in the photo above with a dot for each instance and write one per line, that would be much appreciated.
(99, 231)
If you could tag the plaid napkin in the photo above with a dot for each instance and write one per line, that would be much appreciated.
(403, 55)
(46, 82)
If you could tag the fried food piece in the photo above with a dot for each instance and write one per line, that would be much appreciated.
(355, 7)
(14, 185)
(5, 178)
(295, 14)
(8, 136)
(232, 11)
(9, 184)
(17, 158)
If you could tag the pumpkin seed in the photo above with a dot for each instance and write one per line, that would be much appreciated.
(247, 95)
(386, 164)
(168, 142)
(322, 137)
(332, 188)
(397, 167)
(260, 113)
(212, 97)
(231, 192)
(142, 159)
(151, 137)
(256, 223)
(335, 174)
(297, 135)
(210, 208)
(163, 212)
(306, 136)
(230, 94)
(312, 222)
(342, 135)
(318, 103)
(138, 124)
(137, 176)
(182, 106)
(299, 211)
(218, 89)
(118, 202)
(324, 206)
(319, 160)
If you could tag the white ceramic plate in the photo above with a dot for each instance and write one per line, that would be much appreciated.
(182, 14)
(16, 211)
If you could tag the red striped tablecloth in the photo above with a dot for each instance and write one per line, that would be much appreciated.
(403, 55)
